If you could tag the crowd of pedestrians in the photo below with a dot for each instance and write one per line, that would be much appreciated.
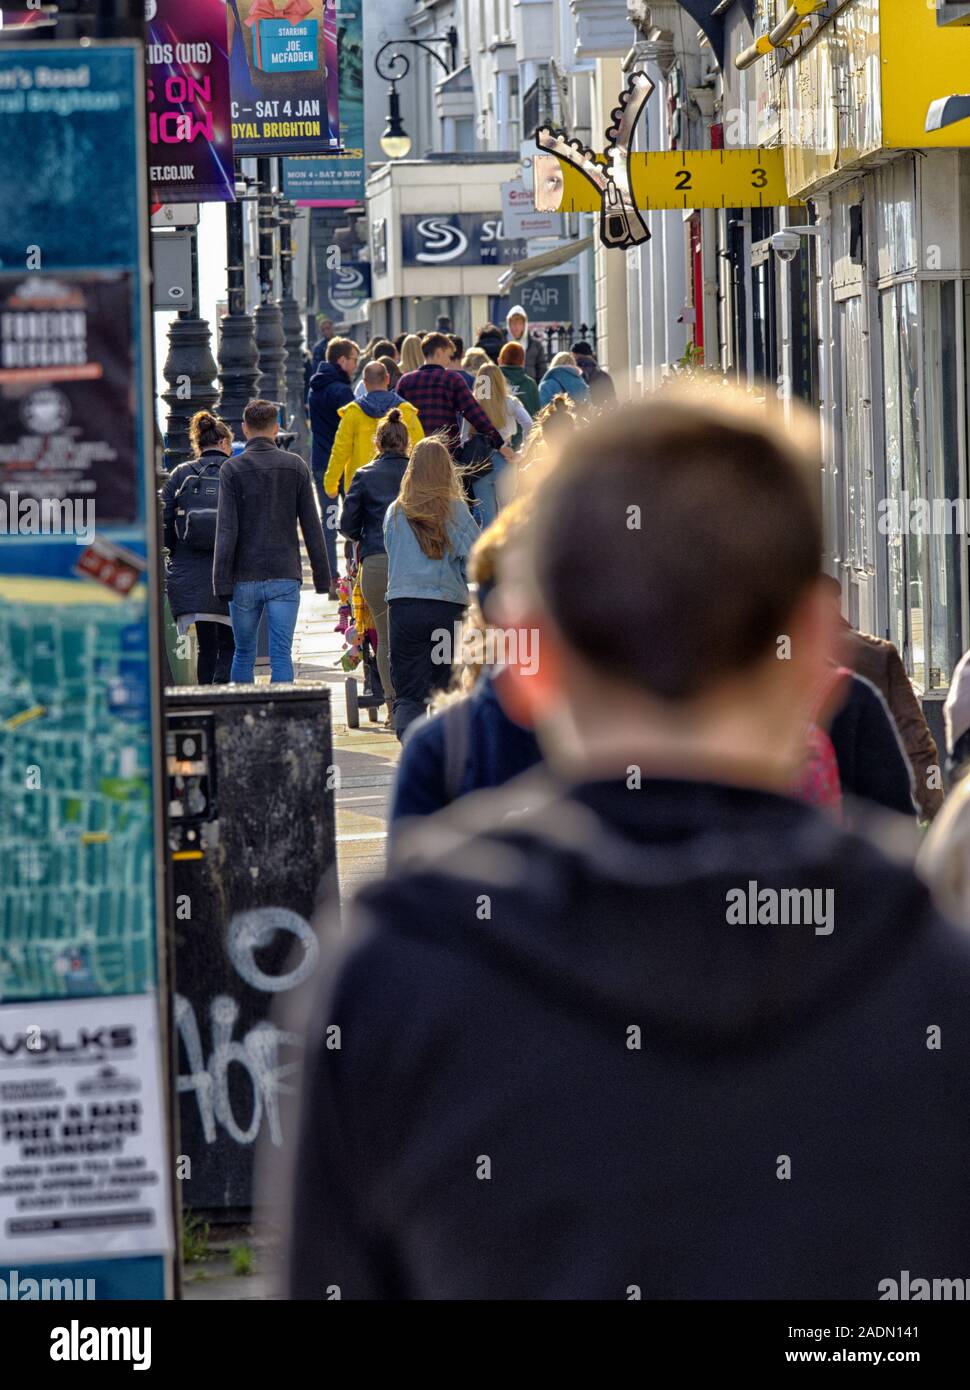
(672, 859)
(648, 1002)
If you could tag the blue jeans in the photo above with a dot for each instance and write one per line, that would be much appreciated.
(281, 599)
(328, 515)
(485, 491)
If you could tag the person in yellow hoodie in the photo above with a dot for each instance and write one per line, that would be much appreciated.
(353, 445)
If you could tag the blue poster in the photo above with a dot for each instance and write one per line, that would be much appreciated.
(457, 238)
(80, 776)
(337, 180)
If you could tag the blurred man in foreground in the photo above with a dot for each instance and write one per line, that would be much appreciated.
(652, 1028)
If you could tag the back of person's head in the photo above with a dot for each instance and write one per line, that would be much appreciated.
(556, 418)
(703, 530)
(411, 355)
(435, 342)
(399, 340)
(512, 355)
(491, 391)
(262, 417)
(489, 330)
(458, 344)
(563, 359)
(207, 431)
(430, 490)
(582, 349)
(394, 372)
(341, 347)
(375, 376)
(391, 435)
(383, 347)
(474, 359)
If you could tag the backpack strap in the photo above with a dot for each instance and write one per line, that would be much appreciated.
(456, 731)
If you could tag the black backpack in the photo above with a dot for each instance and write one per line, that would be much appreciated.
(196, 504)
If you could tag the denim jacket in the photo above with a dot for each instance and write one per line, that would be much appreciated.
(412, 574)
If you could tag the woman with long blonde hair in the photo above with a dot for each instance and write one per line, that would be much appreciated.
(428, 535)
(492, 488)
(411, 355)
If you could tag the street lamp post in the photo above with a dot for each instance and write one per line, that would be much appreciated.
(189, 370)
(269, 320)
(237, 343)
(395, 142)
(292, 328)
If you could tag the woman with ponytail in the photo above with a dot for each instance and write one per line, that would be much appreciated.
(373, 489)
(190, 498)
(428, 534)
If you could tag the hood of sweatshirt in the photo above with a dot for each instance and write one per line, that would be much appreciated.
(326, 375)
(376, 404)
(518, 309)
(648, 906)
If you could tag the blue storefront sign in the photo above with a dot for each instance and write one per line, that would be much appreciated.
(349, 285)
(456, 238)
(81, 886)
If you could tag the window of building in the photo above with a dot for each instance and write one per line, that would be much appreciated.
(900, 344)
(942, 469)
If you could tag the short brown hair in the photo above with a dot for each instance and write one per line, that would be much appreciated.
(434, 342)
(259, 415)
(701, 526)
(512, 355)
(341, 347)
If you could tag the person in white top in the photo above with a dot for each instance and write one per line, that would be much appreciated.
(508, 415)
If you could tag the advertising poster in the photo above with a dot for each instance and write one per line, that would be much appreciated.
(67, 425)
(80, 760)
(457, 238)
(81, 1146)
(337, 181)
(189, 127)
(283, 61)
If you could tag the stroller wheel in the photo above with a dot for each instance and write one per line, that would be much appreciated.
(372, 713)
(353, 708)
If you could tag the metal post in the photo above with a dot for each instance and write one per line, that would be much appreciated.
(237, 341)
(269, 320)
(292, 329)
(189, 370)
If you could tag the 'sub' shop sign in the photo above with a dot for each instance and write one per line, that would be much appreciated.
(458, 238)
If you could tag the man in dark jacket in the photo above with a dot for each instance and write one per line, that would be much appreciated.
(652, 1029)
(602, 392)
(331, 387)
(264, 492)
(878, 662)
(319, 354)
(490, 340)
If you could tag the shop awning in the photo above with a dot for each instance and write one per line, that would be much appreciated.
(546, 260)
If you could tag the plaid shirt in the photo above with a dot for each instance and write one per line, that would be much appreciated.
(440, 397)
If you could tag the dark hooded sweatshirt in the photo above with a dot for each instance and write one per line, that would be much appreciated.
(563, 1071)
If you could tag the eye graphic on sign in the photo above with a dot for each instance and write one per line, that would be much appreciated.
(442, 241)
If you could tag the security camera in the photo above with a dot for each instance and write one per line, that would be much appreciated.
(786, 245)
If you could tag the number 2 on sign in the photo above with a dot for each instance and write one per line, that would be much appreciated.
(683, 179)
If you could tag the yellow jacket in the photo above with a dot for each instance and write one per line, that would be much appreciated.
(353, 445)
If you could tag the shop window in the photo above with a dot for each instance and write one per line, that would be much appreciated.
(900, 342)
(943, 487)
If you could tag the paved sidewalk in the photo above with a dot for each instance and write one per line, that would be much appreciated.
(366, 757)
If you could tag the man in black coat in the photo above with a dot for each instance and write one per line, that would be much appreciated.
(331, 387)
(648, 1027)
(264, 494)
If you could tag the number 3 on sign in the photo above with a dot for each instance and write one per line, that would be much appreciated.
(759, 178)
